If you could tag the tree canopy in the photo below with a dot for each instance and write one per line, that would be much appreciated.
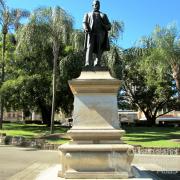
(41, 40)
(145, 90)
(164, 44)
(9, 18)
(47, 47)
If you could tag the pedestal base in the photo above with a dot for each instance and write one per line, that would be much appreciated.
(95, 135)
(96, 150)
(96, 161)
(95, 175)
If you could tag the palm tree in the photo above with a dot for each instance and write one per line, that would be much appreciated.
(77, 40)
(17, 15)
(8, 18)
(168, 44)
(164, 43)
(51, 26)
(61, 23)
(117, 28)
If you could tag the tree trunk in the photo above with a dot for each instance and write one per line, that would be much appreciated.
(176, 76)
(2, 78)
(46, 116)
(151, 120)
(55, 53)
(45, 113)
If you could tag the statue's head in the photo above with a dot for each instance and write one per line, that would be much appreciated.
(96, 5)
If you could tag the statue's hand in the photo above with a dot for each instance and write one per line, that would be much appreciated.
(108, 27)
(86, 30)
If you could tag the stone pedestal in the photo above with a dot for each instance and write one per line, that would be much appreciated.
(96, 150)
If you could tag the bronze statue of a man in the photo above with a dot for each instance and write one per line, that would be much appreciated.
(96, 26)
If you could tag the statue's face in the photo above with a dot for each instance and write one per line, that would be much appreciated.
(96, 5)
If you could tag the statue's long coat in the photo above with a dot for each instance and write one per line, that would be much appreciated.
(88, 22)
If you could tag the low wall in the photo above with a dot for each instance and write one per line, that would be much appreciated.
(157, 150)
(43, 144)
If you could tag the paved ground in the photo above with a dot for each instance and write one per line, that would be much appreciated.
(24, 162)
(165, 167)
(30, 164)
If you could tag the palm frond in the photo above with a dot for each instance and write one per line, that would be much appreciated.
(3, 5)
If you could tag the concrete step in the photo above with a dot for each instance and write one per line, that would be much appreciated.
(31, 172)
(51, 174)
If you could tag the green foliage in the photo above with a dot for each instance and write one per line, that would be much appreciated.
(148, 80)
(70, 68)
(71, 65)
(58, 23)
(117, 28)
(25, 91)
(143, 88)
(9, 18)
(168, 41)
(9, 54)
(39, 42)
(77, 40)
(168, 44)
(113, 60)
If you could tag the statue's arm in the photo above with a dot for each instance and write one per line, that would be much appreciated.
(107, 23)
(86, 23)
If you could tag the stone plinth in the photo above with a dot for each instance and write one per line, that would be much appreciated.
(96, 151)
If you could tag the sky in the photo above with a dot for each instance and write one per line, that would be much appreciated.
(139, 16)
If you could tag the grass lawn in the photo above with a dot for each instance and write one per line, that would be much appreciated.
(33, 131)
(143, 136)
(153, 136)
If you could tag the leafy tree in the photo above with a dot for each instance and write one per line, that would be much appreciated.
(70, 68)
(166, 44)
(145, 90)
(114, 62)
(8, 18)
(77, 40)
(32, 69)
(148, 80)
(111, 58)
(117, 28)
(48, 27)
